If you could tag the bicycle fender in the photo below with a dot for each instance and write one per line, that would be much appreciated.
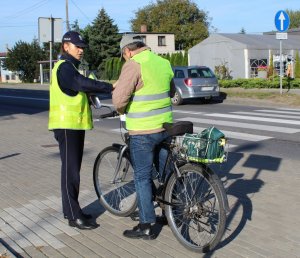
(223, 195)
(117, 145)
(221, 188)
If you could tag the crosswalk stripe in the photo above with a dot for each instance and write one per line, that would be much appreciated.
(240, 136)
(241, 125)
(278, 111)
(265, 114)
(187, 112)
(291, 109)
(255, 118)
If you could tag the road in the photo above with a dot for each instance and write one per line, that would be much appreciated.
(261, 179)
(259, 130)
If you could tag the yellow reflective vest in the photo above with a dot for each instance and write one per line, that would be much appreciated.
(150, 106)
(68, 112)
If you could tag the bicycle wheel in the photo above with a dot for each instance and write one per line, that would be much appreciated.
(196, 215)
(115, 189)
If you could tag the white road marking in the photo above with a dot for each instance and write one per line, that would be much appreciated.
(255, 118)
(241, 125)
(266, 114)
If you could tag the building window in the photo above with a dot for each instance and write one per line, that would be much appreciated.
(161, 40)
(13, 76)
(7, 77)
(254, 64)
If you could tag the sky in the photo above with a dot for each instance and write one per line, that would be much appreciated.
(19, 18)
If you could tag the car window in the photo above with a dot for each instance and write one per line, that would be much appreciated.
(179, 74)
(200, 73)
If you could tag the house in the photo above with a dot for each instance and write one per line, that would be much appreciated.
(243, 53)
(160, 43)
(5, 75)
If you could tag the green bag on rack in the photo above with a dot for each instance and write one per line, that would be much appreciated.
(206, 146)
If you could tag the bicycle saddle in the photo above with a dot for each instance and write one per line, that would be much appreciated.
(178, 128)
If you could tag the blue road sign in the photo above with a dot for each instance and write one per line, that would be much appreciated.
(282, 21)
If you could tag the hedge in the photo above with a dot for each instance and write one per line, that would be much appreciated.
(260, 83)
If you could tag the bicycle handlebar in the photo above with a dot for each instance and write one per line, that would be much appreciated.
(111, 114)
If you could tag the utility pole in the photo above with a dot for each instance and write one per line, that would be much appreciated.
(67, 16)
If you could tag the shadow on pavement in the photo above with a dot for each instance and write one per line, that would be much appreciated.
(10, 156)
(202, 101)
(9, 249)
(241, 188)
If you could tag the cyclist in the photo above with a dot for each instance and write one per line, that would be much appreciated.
(143, 92)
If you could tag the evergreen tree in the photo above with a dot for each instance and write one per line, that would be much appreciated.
(75, 26)
(185, 58)
(172, 59)
(23, 58)
(168, 56)
(115, 68)
(177, 60)
(242, 31)
(270, 71)
(103, 40)
(297, 66)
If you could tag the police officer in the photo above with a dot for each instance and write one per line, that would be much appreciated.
(69, 117)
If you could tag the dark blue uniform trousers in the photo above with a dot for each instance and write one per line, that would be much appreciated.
(71, 144)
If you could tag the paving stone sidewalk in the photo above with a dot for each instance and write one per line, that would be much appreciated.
(264, 219)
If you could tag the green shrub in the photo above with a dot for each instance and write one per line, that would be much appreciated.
(260, 83)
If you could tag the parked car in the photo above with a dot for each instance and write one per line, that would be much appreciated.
(194, 82)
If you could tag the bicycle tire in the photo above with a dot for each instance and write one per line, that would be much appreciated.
(119, 198)
(196, 215)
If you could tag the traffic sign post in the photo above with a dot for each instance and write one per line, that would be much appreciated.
(50, 30)
(282, 23)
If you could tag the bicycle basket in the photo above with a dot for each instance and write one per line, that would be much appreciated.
(205, 147)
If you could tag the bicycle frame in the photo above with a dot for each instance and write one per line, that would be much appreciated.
(122, 150)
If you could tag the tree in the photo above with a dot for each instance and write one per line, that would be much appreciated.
(297, 66)
(242, 31)
(55, 50)
(75, 26)
(23, 58)
(181, 17)
(103, 39)
(270, 71)
(294, 18)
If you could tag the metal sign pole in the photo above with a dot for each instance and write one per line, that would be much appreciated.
(281, 66)
(282, 22)
(51, 41)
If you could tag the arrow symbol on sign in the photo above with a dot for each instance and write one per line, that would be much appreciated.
(282, 19)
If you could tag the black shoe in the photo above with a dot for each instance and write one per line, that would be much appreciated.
(83, 224)
(162, 220)
(85, 216)
(137, 232)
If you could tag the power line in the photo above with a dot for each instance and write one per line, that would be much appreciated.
(27, 10)
(16, 26)
(81, 11)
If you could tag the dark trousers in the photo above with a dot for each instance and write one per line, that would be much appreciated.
(71, 144)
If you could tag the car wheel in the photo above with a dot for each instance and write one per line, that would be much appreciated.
(177, 99)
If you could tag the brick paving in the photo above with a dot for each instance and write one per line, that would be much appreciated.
(264, 219)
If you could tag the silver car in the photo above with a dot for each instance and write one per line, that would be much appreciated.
(194, 82)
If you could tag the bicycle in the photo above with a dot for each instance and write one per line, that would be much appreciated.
(191, 194)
